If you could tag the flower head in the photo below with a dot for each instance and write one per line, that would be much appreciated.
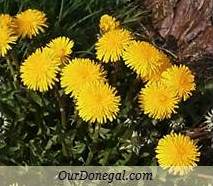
(39, 70)
(29, 23)
(80, 72)
(157, 76)
(178, 153)
(108, 23)
(97, 102)
(7, 39)
(111, 45)
(145, 59)
(62, 47)
(5, 20)
(158, 101)
(180, 79)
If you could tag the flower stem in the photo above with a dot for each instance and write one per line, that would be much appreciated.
(61, 103)
(94, 137)
(96, 132)
(13, 73)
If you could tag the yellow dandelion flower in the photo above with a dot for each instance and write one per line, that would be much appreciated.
(144, 58)
(39, 70)
(80, 72)
(97, 102)
(177, 153)
(62, 47)
(111, 45)
(108, 23)
(156, 77)
(5, 20)
(7, 38)
(29, 23)
(158, 101)
(180, 79)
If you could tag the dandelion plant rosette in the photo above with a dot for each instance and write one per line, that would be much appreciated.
(92, 84)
